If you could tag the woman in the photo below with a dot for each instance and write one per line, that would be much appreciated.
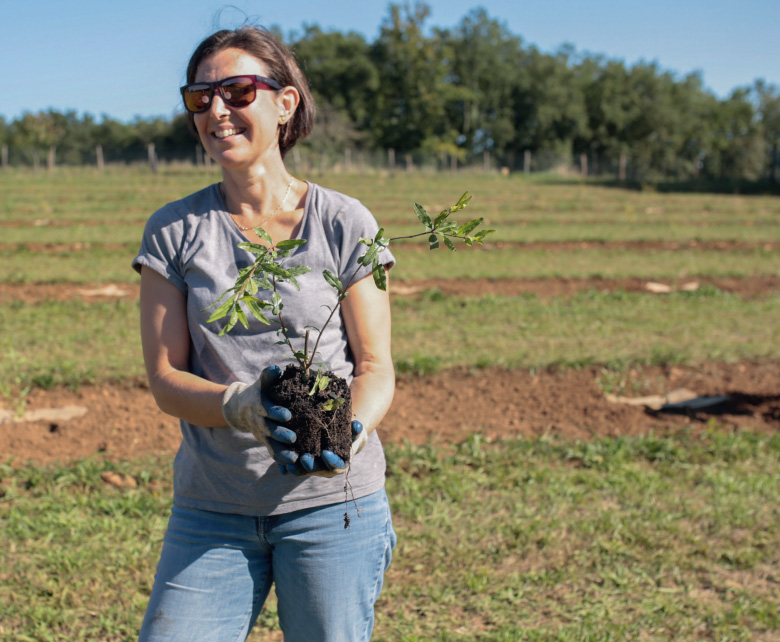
(238, 523)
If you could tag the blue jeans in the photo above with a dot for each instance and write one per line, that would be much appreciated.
(216, 570)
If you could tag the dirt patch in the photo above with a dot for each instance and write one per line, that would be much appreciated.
(123, 422)
(748, 288)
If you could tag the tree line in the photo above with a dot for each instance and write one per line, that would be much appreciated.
(469, 93)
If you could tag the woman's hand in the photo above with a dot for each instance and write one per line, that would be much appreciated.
(329, 464)
(247, 408)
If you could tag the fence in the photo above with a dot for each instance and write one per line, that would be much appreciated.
(305, 159)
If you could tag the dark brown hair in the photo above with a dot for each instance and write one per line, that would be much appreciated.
(281, 65)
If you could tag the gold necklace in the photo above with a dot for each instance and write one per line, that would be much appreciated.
(267, 218)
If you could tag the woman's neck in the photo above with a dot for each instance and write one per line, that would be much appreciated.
(255, 193)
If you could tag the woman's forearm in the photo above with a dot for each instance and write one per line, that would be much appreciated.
(372, 393)
(189, 397)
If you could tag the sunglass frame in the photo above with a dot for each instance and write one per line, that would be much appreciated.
(270, 84)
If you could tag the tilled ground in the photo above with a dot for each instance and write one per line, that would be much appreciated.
(123, 422)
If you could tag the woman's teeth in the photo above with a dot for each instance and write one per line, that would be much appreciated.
(224, 133)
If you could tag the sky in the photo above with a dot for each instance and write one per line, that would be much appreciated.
(127, 58)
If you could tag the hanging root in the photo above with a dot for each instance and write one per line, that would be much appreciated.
(347, 492)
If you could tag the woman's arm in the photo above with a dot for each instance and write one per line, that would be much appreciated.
(366, 312)
(165, 339)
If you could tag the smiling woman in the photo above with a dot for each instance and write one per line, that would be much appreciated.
(248, 511)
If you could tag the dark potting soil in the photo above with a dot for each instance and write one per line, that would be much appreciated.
(316, 429)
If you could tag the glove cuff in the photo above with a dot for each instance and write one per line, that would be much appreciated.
(231, 404)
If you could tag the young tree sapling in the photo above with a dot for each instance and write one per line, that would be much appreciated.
(319, 400)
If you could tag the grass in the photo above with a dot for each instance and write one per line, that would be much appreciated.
(513, 332)
(628, 538)
(93, 265)
(651, 538)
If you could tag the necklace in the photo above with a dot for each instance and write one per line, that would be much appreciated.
(271, 215)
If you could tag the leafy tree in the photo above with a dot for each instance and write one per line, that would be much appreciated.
(768, 100)
(484, 64)
(409, 110)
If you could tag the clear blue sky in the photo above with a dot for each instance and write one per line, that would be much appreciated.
(127, 58)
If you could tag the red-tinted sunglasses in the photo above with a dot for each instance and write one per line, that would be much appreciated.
(236, 91)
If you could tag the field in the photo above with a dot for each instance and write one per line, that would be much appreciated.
(585, 518)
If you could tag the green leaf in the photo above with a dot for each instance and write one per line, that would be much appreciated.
(462, 202)
(230, 324)
(290, 244)
(423, 216)
(370, 255)
(255, 308)
(276, 299)
(263, 235)
(332, 404)
(380, 275)
(433, 241)
(479, 236)
(365, 241)
(332, 280)
(254, 248)
(242, 317)
(221, 311)
(320, 383)
(441, 218)
(464, 229)
(450, 245)
(298, 270)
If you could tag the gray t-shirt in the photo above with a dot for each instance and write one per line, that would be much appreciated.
(192, 242)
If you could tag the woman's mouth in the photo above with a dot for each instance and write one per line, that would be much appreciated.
(226, 133)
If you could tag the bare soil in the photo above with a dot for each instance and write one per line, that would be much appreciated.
(123, 422)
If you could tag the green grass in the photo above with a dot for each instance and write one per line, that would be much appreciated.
(69, 343)
(619, 539)
(112, 265)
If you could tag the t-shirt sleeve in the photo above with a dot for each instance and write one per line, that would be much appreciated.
(161, 246)
(358, 222)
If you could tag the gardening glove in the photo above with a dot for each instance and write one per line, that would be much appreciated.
(246, 408)
(329, 464)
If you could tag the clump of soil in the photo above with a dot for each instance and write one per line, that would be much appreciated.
(316, 429)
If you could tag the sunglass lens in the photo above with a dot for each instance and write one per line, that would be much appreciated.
(238, 92)
(197, 98)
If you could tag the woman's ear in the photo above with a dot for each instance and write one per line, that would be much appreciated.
(288, 102)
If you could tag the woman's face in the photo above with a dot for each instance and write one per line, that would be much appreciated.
(239, 137)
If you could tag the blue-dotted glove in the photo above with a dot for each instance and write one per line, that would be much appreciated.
(329, 464)
(246, 408)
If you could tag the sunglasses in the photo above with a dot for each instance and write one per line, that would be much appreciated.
(236, 91)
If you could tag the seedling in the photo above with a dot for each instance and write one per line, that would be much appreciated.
(269, 270)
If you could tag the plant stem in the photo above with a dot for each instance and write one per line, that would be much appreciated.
(307, 361)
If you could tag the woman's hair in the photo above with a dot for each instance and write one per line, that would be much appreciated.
(282, 67)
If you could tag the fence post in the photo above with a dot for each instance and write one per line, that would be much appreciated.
(361, 162)
(527, 161)
(486, 161)
(5, 156)
(623, 163)
(50, 158)
(152, 158)
(391, 159)
(99, 157)
(348, 159)
(409, 163)
(198, 158)
(453, 163)
(36, 161)
(584, 164)
(207, 160)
